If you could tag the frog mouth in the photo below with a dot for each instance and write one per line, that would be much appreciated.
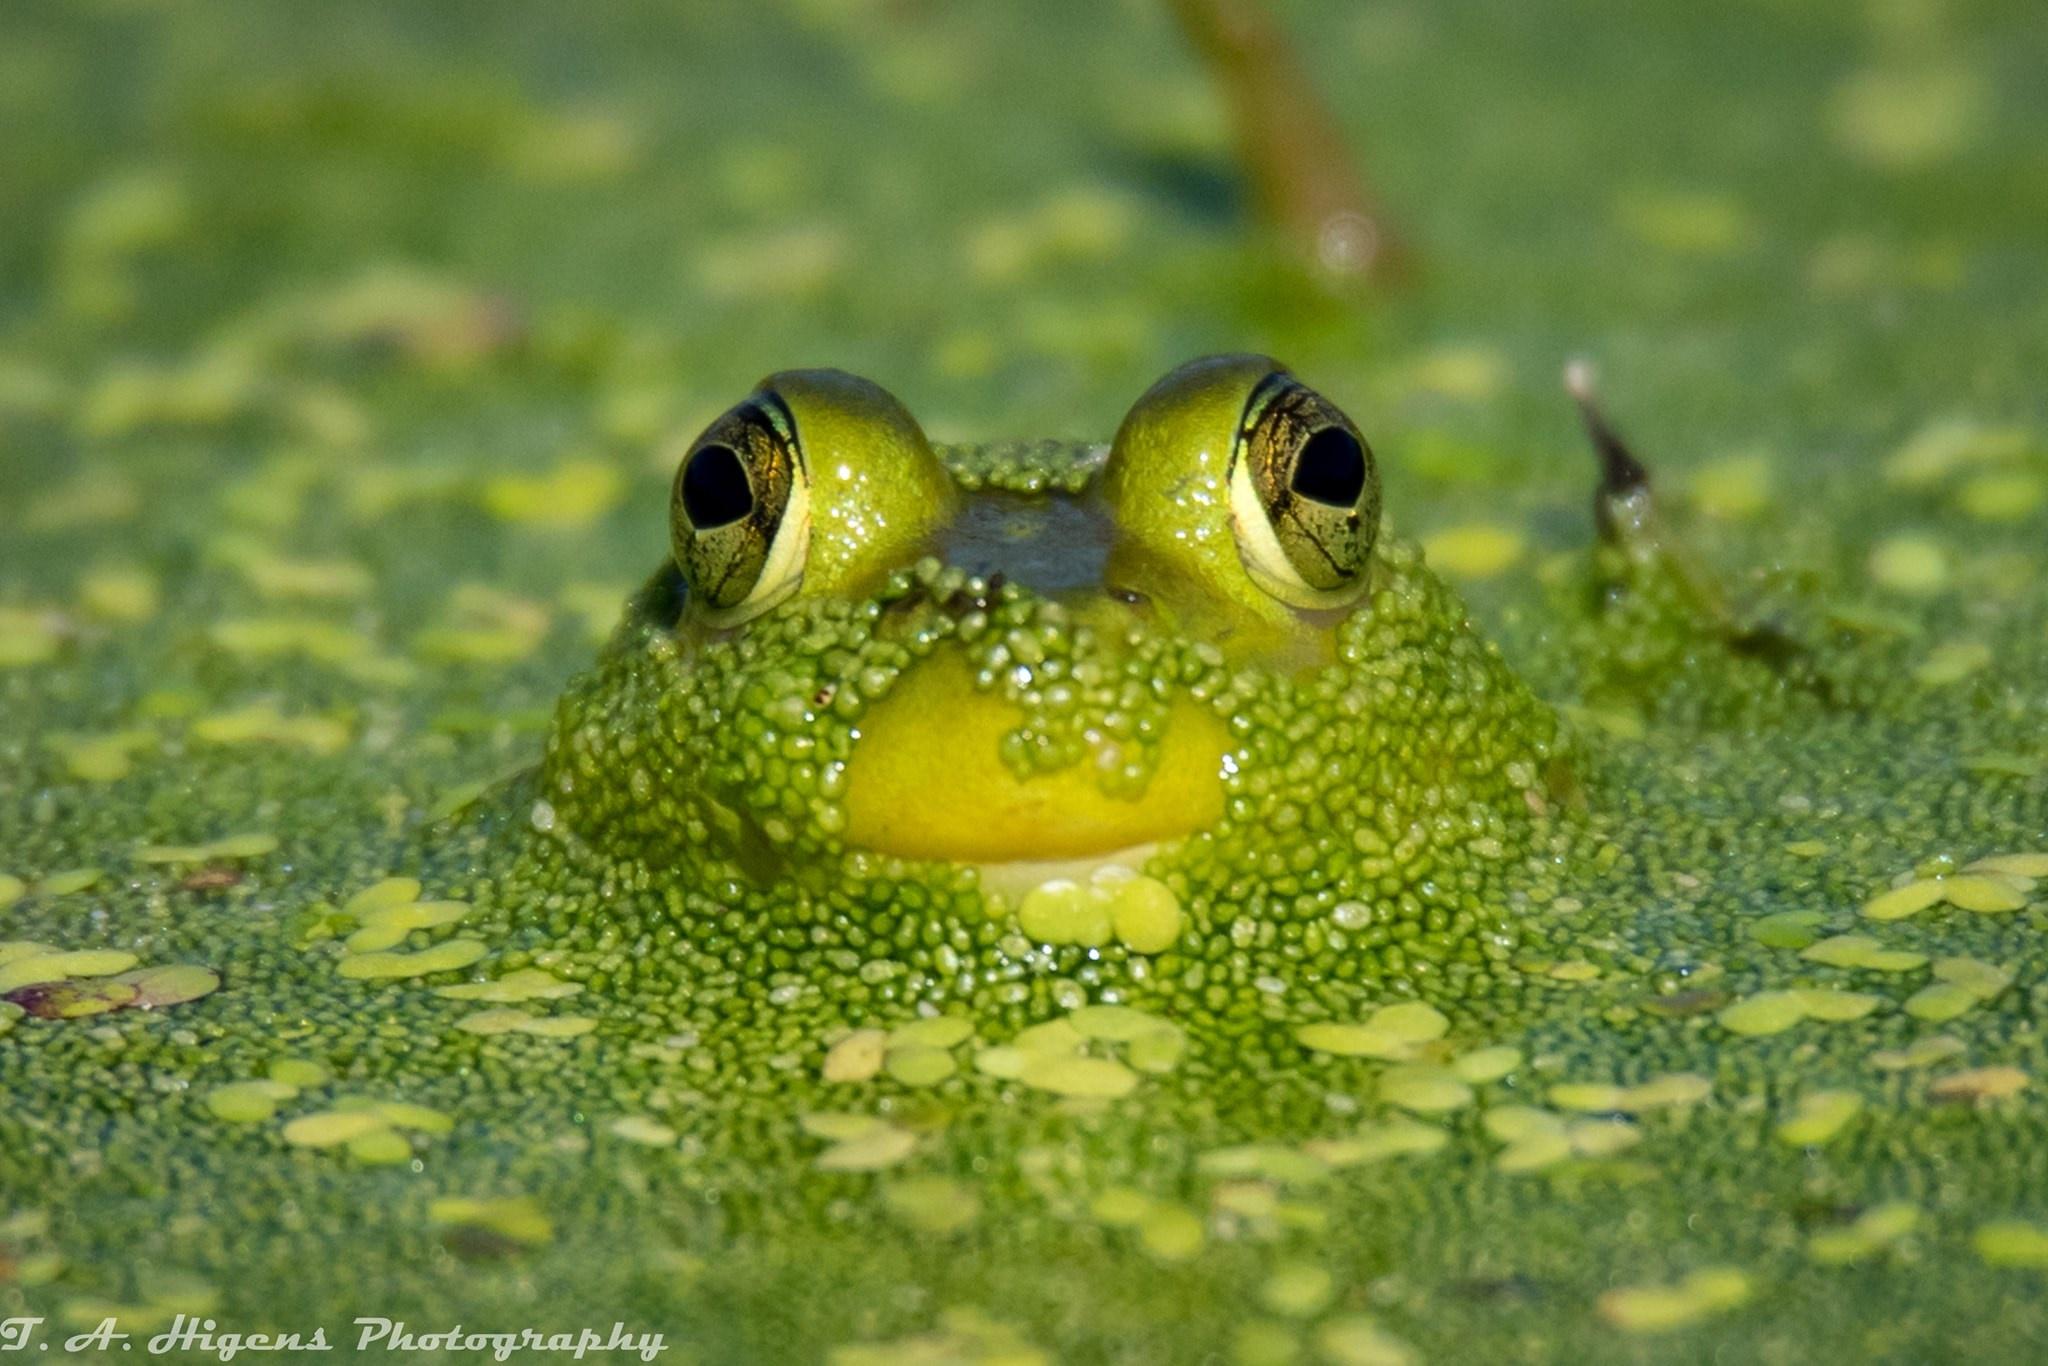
(926, 780)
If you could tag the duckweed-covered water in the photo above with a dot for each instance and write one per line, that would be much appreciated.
(344, 358)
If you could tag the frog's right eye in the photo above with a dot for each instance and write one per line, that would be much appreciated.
(1304, 495)
(739, 515)
(1246, 507)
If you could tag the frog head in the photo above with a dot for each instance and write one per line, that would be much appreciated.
(1189, 666)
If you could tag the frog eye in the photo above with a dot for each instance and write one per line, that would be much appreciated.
(1304, 495)
(739, 515)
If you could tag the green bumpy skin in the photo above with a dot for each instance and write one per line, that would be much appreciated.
(1402, 769)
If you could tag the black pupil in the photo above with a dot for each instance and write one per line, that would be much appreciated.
(715, 488)
(1330, 468)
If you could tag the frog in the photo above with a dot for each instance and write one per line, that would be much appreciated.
(1048, 707)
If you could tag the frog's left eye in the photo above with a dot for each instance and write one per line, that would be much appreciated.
(739, 515)
(1304, 495)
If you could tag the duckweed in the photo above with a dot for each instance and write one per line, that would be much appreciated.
(949, 1031)
(2012, 1243)
(523, 984)
(228, 849)
(1951, 662)
(446, 956)
(299, 1072)
(576, 493)
(385, 926)
(1920, 1053)
(1979, 1085)
(1265, 1342)
(1912, 564)
(1735, 487)
(170, 985)
(1298, 1289)
(869, 1149)
(1907, 900)
(64, 996)
(1985, 894)
(1534, 1139)
(1171, 1233)
(32, 968)
(1773, 1012)
(1066, 912)
(920, 1064)
(1960, 985)
(275, 575)
(262, 723)
(1003, 1061)
(1141, 913)
(329, 1128)
(249, 1102)
(1146, 916)
(1273, 1161)
(1156, 1051)
(1940, 1002)
(28, 638)
(1393, 1033)
(514, 1217)
(1377, 1143)
(103, 758)
(932, 1204)
(2002, 496)
(641, 1129)
(380, 1147)
(69, 881)
(1861, 951)
(2029, 865)
(1476, 551)
(1872, 1232)
(1483, 1065)
(1466, 371)
(1424, 1089)
(510, 1021)
(965, 1336)
(1358, 1340)
(1947, 445)
(73, 1000)
(857, 1057)
(1095, 1078)
(1818, 1117)
(1661, 1308)
(1671, 1090)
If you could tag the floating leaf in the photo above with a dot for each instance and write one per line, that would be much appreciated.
(171, 985)
(442, 957)
(73, 1000)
